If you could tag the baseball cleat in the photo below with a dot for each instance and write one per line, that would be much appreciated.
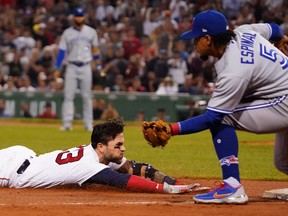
(225, 193)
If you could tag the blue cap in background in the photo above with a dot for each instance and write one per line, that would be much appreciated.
(79, 11)
(208, 22)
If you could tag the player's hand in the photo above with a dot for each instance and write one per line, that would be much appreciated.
(178, 189)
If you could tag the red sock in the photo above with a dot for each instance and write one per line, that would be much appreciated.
(141, 184)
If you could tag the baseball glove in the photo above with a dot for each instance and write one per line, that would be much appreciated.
(282, 45)
(157, 133)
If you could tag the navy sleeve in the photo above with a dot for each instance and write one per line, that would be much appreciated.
(277, 32)
(201, 122)
(110, 177)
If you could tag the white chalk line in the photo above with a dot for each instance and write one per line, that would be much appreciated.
(116, 203)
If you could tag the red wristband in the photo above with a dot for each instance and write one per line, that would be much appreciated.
(137, 183)
(175, 129)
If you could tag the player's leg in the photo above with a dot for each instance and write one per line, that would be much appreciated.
(11, 160)
(86, 93)
(230, 189)
(281, 151)
(70, 88)
(260, 116)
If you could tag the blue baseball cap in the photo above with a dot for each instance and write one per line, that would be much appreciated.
(79, 11)
(208, 22)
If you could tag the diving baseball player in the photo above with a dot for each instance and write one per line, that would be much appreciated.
(80, 44)
(250, 95)
(101, 162)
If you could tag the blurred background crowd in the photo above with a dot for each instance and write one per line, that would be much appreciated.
(139, 42)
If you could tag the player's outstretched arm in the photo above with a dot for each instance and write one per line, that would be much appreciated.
(136, 183)
(145, 170)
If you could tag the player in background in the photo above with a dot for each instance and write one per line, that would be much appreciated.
(101, 162)
(79, 43)
(251, 94)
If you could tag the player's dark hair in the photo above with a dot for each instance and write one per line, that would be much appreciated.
(224, 38)
(103, 133)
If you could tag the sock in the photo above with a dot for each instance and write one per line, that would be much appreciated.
(226, 146)
(232, 182)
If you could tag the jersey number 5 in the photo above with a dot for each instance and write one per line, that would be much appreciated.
(273, 55)
(65, 157)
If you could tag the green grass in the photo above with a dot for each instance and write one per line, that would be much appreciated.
(185, 156)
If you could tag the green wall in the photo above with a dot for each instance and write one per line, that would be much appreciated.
(127, 104)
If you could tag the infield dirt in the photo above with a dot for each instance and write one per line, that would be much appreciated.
(103, 200)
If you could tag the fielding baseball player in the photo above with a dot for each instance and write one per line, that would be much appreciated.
(80, 44)
(251, 95)
(97, 162)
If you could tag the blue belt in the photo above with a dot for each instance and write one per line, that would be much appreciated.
(78, 63)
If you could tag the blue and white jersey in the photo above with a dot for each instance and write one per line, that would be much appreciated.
(78, 43)
(251, 68)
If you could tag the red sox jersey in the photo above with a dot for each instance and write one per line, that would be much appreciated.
(71, 166)
(251, 68)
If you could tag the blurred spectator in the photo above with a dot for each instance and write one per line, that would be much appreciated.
(150, 82)
(134, 68)
(180, 46)
(57, 85)
(177, 68)
(191, 86)
(109, 113)
(25, 110)
(140, 116)
(176, 6)
(119, 85)
(231, 8)
(12, 59)
(10, 85)
(146, 52)
(161, 114)
(27, 27)
(284, 25)
(167, 87)
(4, 112)
(40, 35)
(136, 85)
(47, 112)
(42, 82)
(98, 108)
(151, 21)
(131, 44)
(159, 65)
(25, 84)
(245, 15)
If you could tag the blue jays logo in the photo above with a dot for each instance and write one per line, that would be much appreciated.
(229, 160)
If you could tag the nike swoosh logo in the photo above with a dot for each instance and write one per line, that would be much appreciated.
(218, 196)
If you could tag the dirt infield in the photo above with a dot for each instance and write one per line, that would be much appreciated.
(102, 200)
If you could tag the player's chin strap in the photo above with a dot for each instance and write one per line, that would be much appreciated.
(149, 172)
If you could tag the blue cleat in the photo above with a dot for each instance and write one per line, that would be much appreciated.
(225, 193)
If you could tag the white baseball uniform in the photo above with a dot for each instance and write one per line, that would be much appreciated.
(20, 167)
(78, 44)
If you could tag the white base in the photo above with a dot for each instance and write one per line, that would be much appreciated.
(276, 194)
